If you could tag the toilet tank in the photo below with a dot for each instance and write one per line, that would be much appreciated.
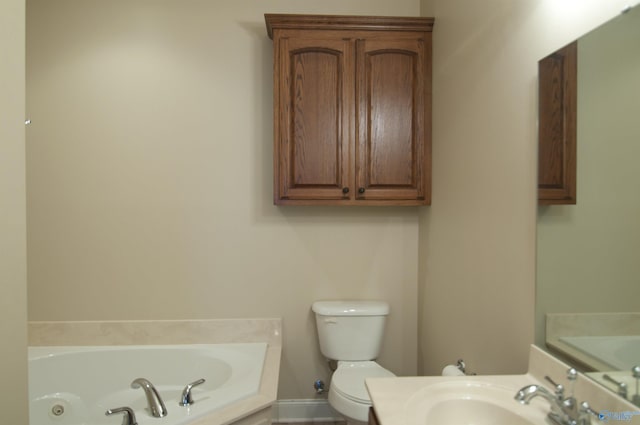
(350, 330)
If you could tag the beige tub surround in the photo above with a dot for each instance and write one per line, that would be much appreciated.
(253, 410)
(395, 398)
(156, 332)
(561, 325)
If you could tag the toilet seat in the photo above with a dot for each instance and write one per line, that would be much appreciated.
(348, 379)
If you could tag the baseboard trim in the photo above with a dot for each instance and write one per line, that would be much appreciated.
(304, 410)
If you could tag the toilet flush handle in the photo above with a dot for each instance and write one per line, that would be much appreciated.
(330, 321)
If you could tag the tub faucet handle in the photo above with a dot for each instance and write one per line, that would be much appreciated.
(129, 417)
(186, 399)
(621, 386)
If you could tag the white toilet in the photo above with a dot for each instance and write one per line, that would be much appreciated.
(350, 332)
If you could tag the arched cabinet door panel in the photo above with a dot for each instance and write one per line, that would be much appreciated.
(390, 144)
(313, 122)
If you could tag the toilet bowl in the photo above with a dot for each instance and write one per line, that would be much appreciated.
(350, 332)
(348, 393)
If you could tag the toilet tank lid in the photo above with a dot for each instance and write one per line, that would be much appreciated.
(350, 308)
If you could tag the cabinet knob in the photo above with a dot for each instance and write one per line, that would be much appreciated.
(345, 190)
(361, 190)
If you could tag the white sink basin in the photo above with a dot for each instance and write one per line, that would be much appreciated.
(472, 402)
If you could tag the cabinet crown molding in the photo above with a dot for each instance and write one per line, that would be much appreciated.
(346, 22)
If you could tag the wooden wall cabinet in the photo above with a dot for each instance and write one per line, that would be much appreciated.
(557, 119)
(352, 110)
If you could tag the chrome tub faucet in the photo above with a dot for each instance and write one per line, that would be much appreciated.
(156, 405)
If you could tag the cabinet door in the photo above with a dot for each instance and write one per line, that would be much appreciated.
(312, 147)
(393, 95)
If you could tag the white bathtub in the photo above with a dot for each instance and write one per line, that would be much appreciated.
(618, 352)
(87, 381)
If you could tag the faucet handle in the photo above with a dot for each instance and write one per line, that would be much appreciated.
(585, 412)
(129, 417)
(572, 375)
(559, 388)
(621, 386)
(635, 372)
(186, 398)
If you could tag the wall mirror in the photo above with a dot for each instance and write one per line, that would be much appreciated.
(588, 254)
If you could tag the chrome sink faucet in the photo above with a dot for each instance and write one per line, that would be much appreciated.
(564, 410)
(526, 394)
(156, 405)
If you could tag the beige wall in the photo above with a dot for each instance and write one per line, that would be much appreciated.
(149, 180)
(13, 251)
(588, 253)
(477, 240)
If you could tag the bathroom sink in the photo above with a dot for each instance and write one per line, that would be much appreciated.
(472, 402)
(476, 412)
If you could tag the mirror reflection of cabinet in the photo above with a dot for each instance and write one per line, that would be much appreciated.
(587, 254)
(557, 126)
(352, 110)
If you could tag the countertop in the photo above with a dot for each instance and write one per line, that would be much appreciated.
(392, 396)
